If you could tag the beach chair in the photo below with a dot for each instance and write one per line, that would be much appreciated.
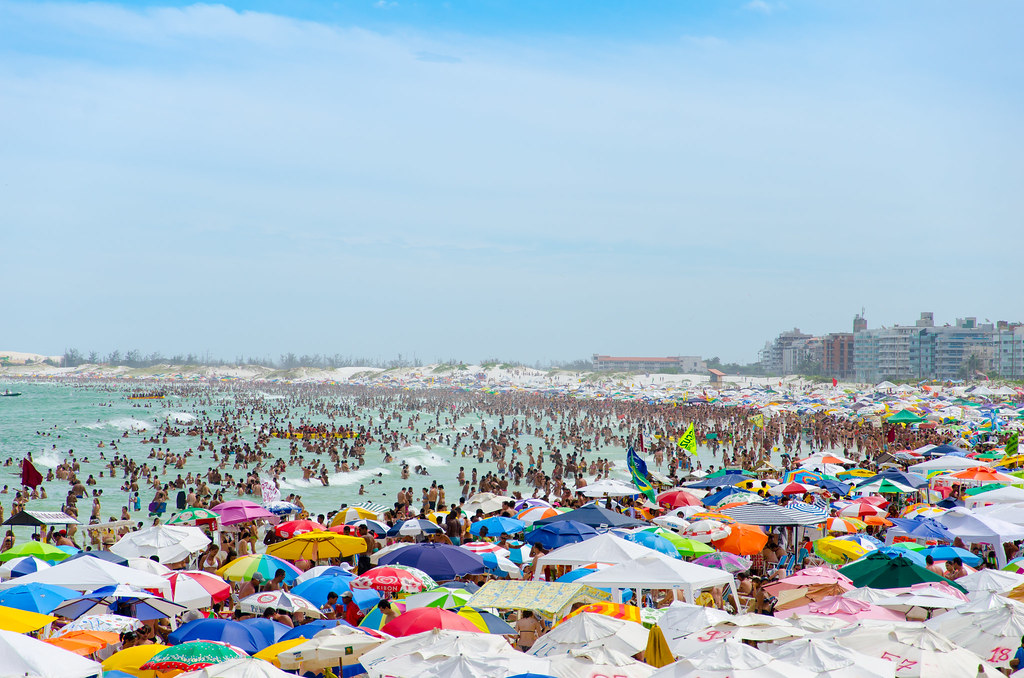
(788, 564)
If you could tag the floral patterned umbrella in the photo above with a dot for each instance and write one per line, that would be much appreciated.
(394, 579)
(725, 561)
(191, 515)
(192, 655)
(112, 623)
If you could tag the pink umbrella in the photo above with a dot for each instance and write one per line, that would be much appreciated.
(809, 577)
(240, 511)
(846, 609)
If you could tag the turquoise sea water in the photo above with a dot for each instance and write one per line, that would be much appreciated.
(57, 420)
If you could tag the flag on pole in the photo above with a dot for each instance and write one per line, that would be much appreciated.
(30, 476)
(638, 469)
(758, 420)
(1011, 444)
(269, 489)
(688, 441)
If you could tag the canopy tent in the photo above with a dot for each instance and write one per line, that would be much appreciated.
(604, 548)
(947, 462)
(1002, 495)
(548, 599)
(973, 529)
(89, 574)
(41, 518)
(661, 572)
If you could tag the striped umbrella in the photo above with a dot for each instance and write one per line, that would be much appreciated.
(394, 579)
(17, 567)
(706, 531)
(481, 547)
(532, 515)
(242, 569)
(841, 525)
(293, 528)
(353, 513)
(375, 619)
(374, 527)
(616, 610)
(192, 655)
(195, 588)
(439, 597)
(922, 509)
(487, 621)
(519, 552)
(712, 515)
(501, 566)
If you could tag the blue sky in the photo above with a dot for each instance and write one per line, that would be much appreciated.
(523, 180)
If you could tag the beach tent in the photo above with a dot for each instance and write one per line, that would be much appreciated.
(547, 599)
(656, 571)
(973, 528)
(1003, 495)
(604, 548)
(89, 574)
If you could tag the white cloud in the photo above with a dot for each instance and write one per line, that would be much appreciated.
(763, 7)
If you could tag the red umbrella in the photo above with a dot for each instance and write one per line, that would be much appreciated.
(193, 587)
(427, 618)
(861, 510)
(295, 527)
(677, 498)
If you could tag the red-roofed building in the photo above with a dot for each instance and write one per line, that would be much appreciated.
(716, 377)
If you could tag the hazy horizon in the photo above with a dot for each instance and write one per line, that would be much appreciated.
(527, 180)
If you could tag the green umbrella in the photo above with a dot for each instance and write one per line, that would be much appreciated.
(192, 655)
(440, 597)
(34, 548)
(192, 514)
(688, 548)
(905, 417)
(879, 571)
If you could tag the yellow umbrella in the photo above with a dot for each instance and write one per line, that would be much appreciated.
(658, 653)
(270, 652)
(22, 621)
(131, 659)
(318, 545)
(838, 551)
(351, 513)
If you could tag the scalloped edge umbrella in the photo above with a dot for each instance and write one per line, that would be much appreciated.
(192, 655)
(426, 618)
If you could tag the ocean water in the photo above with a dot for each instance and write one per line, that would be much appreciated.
(55, 421)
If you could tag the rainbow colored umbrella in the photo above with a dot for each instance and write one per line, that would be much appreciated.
(439, 597)
(376, 620)
(487, 621)
(840, 525)
(242, 569)
(616, 610)
(192, 655)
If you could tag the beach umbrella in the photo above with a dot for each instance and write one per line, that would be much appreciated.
(315, 590)
(272, 631)
(120, 599)
(240, 667)
(500, 566)
(993, 635)
(939, 553)
(192, 515)
(21, 655)
(296, 527)
(195, 589)
(130, 659)
(671, 522)
(317, 546)
(488, 502)
(222, 631)
(487, 621)
(278, 600)
(921, 510)
(150, 566)
(861, 510)
(417, 665)
(83, 642)
(743, 540)
(105, 556)
(280, 508)
(614, 610)
(413, 527)
(376, 620)
(375, 527)
(837, 551)
(426, 618)
(169, 543)
(394, 579)
(991, 580)
(560, 534)
(725, 561)
(111, 623)
(311, 628)
(676, 498)
(242, 569)
(535, 513)
(351, 514)
(845, 609)
(879, 571)
(328, 648)
(38, 549)
(530, 502)
(794, 488)
(598, 661)
(838, 525)
(730, 660)
(652, 541)
(440, 597)
(706, 531)
(497, 525)
(591, 630)
(16, 567)
(440, 561)
(804, 595)
(825, 658)
(808, 576)
(23, 621)
(271, 652)
(240, 511)
(594, 516)
(192, 655)
(482, 547)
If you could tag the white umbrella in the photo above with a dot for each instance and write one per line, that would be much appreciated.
(828, 659)
(754, 627)
(609, 487)
(377, 555)
(89, 574)
(7, 568)
(279, 600)
(487, 501)
(242, 667)
(330, 647)
(27, 657)
(437, 643)
(729, 659)
(993, 635)
(169, 543)
(991, 580)
(148, 565)
(415, 665)
(598, 662)
(592, 630)
(314, 572)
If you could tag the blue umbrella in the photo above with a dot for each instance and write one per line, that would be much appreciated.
(41, 598)
(924, 528)
(271, 630)
(497, 525)
(594, 516)
(70, 550)
(228, 631)
(716, 498)
(27, 565)
(310, 629)
(440, 561)
(895, 551)
(652, 541)
(559, 534)
(316, 589)
(102, 555)
(834, 486)
(720, 481)
(413, 527)
(951, 552)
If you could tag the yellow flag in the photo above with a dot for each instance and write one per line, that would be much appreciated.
(688, 441)
(758, 420)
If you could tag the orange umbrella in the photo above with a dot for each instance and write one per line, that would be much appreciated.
(616, 610)
(876, 520)
(711, 515)
(743, 540)
(983, 474)
(84, 642)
